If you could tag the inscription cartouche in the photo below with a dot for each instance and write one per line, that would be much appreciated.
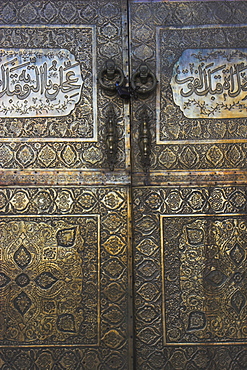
(211, 83)
(38, 82)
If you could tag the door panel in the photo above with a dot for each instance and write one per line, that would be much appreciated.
(184, 142)
(64, 277)
(190, 304)
(45, 132)
(189, 207)
(65, 250)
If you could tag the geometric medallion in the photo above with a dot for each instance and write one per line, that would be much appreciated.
(237, 254)
(22, 257)
(216, 278)
(45, 280)
(4, 279)
(238, 301)
(22, 303)
(22, 280)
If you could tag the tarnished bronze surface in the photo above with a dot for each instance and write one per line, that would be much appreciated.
(74, 201)
(64, 277)
(160, 33)
(190, 222)
(57, 132)
(65, 250)
(190, 277)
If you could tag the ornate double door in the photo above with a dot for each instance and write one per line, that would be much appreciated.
(123, 212)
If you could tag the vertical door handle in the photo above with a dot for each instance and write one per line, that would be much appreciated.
(144, 138)
(111, 137)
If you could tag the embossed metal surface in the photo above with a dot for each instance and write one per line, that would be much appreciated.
(160, 33)
(64, 254)
(65, 272)
(75, 139)
(210, 83)
(190, 284)
(190, 222)
(64, 277)
(40, 83)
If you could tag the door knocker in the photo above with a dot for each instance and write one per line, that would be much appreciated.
(111, 79)
(143, 81)
(111, 76)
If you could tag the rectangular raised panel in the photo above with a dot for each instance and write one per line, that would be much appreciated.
(202, 87)
(190, 280)
(204, 284)
(52, 112)
(39, 82)
(197, 132)
(211, 83)
(64, 275)
(49, 279)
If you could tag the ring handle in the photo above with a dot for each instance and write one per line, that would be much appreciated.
(143, 80)
(111, 72)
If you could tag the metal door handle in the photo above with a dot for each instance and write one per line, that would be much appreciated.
(144, 138)
(111, 76)
(111, 137)
(143, 81)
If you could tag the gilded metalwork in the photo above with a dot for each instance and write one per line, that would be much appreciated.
(111, 137)
(45, 298)
(210, 83)
(189, 271)
(173, 124)
(64, 278)
(143, 81)
(190, 255)
(66, 269)
(210, 281)
(169, 29)
(75, 141)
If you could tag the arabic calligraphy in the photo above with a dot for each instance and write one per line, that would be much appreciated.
(38, 82)
(211, 83)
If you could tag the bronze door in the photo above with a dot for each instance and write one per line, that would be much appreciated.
(64, 225)
(81, 188)
(190, 217)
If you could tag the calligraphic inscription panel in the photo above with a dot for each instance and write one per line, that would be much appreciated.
(202, 44)
(51, 82)
(216, 99)
(190, 283)
(211, 83)
(64, 277)
(35, 83)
